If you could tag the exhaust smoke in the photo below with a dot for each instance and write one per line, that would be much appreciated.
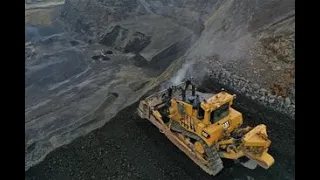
(181, 74)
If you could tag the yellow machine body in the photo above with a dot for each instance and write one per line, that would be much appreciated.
(208, 130)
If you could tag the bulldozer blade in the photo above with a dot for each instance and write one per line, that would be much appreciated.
(258, 137)
(265, 160)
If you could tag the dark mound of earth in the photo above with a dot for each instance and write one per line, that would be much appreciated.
(129, 147)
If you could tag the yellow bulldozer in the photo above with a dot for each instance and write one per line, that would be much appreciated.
(206, 129)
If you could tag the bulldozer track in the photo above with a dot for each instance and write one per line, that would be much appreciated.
(215, 164)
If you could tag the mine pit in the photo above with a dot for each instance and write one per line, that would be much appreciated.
(91, 62)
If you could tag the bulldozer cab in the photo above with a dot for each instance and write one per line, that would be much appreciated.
(210, 116)
(215, 108)
(219, 113)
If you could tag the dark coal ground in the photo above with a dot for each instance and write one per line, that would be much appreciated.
(129, 147)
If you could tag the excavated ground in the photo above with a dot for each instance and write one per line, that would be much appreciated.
(129, 147)
(72, 88)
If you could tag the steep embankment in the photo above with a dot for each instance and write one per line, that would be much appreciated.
(249, 46)
(79, 74)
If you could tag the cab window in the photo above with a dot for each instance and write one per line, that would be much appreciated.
(200, 113)
(219, 113)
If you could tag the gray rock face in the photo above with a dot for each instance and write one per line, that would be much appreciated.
(73, 86)
(69, 94)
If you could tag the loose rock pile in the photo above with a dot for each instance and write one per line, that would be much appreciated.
(255, 92)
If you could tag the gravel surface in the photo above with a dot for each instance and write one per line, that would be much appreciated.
(129, 147)
(255, 92)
